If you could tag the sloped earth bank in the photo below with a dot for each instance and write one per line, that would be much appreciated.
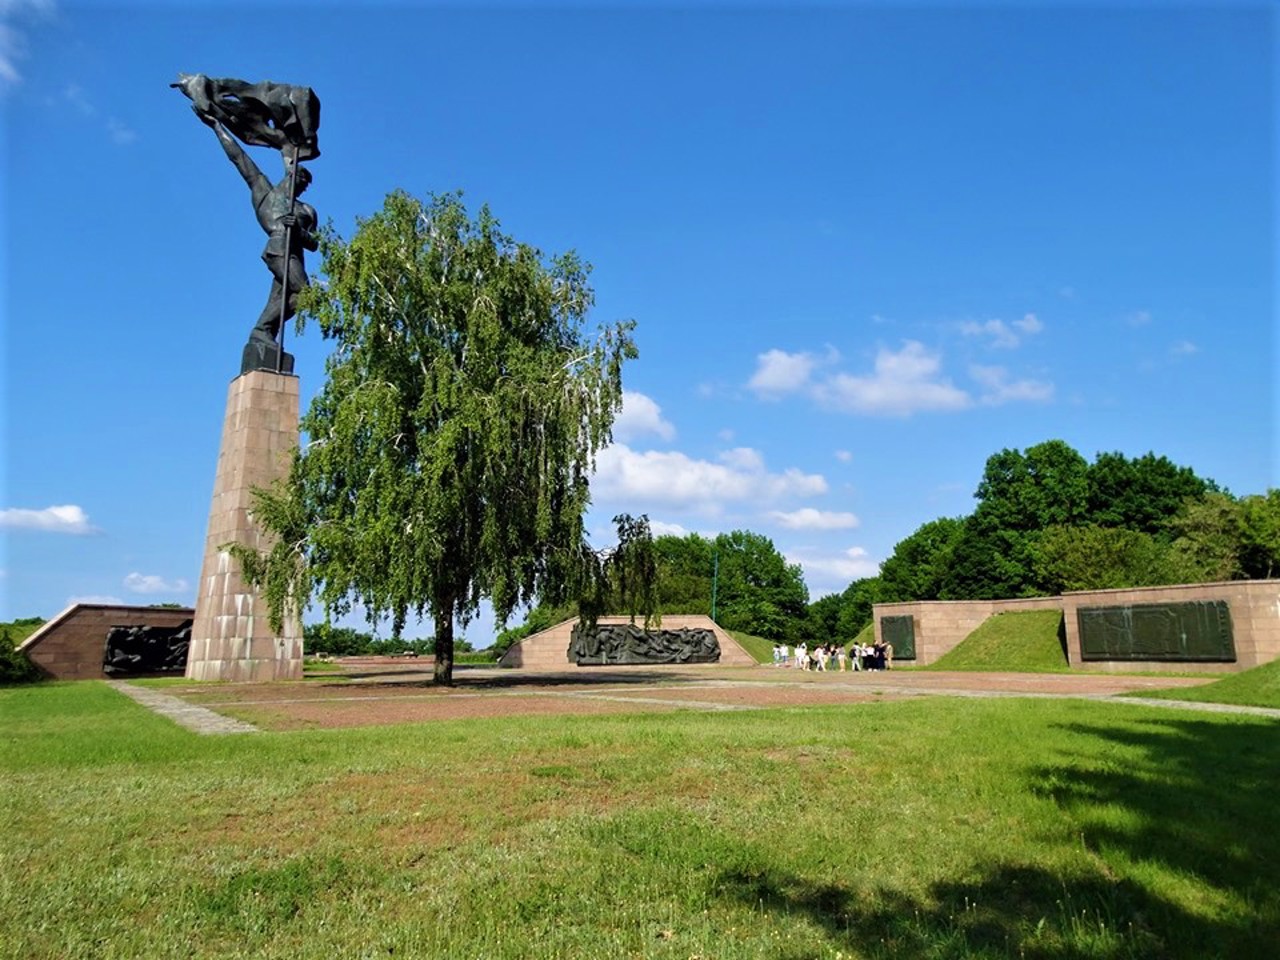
(370, 692)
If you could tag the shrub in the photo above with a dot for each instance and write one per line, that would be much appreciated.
(14, 666)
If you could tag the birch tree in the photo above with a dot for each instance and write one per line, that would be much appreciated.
(446, 458)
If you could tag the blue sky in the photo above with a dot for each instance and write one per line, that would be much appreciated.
(867, 246)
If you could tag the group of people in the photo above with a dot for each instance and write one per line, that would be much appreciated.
(834, 656)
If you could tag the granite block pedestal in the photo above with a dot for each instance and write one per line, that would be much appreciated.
(231, 637)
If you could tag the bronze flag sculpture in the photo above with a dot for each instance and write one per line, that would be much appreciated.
(286, 118)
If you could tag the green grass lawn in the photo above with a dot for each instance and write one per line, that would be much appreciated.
(1258, 687)
(930, 827)
(1024, 641)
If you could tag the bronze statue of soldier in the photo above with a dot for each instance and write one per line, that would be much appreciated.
(287, 118)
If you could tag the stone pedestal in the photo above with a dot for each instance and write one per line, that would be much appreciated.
(231, 638)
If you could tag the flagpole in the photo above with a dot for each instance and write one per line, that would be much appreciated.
(288, 257)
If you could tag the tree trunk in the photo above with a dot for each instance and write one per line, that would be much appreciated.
(444, 645)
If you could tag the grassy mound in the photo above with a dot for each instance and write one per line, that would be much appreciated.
(1259, 687)
(1021, 642)
(865, 636)
(758, 647)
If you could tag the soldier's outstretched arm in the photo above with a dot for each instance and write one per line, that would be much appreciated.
(235, 153)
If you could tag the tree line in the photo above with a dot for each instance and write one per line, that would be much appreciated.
(1046, 521)
(1049, 521)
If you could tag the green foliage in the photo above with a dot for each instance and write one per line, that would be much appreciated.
(347, 642)
(1019, 495)
(1047, 521)
(335, 641)
(622, 579)
(14, 666)
(1027, 641)
(686, 565)
(758, 591)
(919, 565)
(1141, 494)
(1091, 557)
(1209, 535)
(451, 444)
(857, 604)
(824, 616)
(1259, 549)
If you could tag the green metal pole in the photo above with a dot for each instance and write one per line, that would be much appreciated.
(715, 581)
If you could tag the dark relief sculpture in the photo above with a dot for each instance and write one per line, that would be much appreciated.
(132, 651)
(286, 118)
(627, 643)
(1199, 630)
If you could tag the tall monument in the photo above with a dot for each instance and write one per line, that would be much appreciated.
(231, 637)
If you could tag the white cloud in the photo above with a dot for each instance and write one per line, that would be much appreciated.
(640, 416)
(151, 583)
(61, 519)
(1183, 348)
(671, 477)
(119, 133)
(13, 41)
(743, 458)
(1139, 319)
(903, 383)
(779, 372)
(660, 528)
(844, 456)
(1003, 335)
(808, 518)
(826, 572)
(997, 388)
(105, 599)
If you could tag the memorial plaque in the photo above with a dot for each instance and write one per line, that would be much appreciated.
(901, 632)
(1196, 631)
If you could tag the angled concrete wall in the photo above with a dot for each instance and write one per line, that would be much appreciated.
(72, 645)
(549, 650)
(1255, 621)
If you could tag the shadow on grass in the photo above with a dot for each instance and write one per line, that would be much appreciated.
(1179, 819)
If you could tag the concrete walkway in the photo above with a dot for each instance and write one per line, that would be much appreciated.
(196, 719)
